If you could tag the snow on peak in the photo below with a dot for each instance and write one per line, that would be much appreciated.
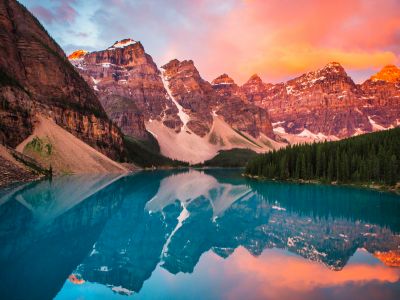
(122, 44)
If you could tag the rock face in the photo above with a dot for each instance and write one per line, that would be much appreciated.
(177, 96)
(200, 100)
(225, 86)
(388, 73)
(12, 170)
(125, 114)
(126, 70)
(38, 76)
(324, 103)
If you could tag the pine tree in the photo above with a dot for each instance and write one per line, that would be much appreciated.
(303, 168)
(298, 166)
(323, 165)
(318, 169)
(392, 177)
(338, 165)
(330, 170)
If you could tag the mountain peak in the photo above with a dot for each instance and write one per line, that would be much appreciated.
(334, 64)
(122, 44)
(77, 54)
(389, 73)
(334, 67)
(254, 79)
(223, 79)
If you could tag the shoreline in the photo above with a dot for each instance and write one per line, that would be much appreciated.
(372, 187)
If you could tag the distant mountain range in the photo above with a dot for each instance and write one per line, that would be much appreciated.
(190, 119)
(325, 103)
(320, 105)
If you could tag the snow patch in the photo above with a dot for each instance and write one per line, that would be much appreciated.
(278, 208)
(277, 123)
(182, 217)
(122, 44)
(280, 129)
(182, 115)
(376, 126)
(121, 290)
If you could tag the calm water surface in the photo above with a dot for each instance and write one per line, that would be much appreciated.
(209, 234)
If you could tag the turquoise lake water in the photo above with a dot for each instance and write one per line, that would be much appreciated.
(196, 234)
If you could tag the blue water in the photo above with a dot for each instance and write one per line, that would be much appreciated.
(187, 234)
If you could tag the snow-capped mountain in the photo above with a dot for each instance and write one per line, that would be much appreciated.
(188, 117)
(326, 103)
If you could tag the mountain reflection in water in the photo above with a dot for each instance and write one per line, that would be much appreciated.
(211, 233)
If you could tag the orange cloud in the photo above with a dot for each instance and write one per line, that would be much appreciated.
(277, 39)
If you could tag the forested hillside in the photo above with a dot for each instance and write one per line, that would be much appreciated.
(366, 158)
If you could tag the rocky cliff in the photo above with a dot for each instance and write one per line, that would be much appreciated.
(127, 71)
(37, 77)
(177, 96)
(125, 114)
(324, 104)
(199, 100)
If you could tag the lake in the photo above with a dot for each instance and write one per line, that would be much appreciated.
(196, 234)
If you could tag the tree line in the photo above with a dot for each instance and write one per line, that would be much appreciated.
(370, 157)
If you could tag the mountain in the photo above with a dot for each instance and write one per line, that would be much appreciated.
(36, 78)
(388, 73)
(79, 54)
(127, 71)
(324, 104)
(190, 120)
(198, 97)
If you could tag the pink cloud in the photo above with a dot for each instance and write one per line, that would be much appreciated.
(61, 12)
(80, 34)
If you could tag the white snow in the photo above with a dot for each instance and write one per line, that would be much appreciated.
(182, 217)
(96, 81)
(319, 253)
(278, 208)
(120, 289)
(219, 83)
(315, 80)
(289, 89)
(182, 115)
(122, 45)
(214, 113)
(376, 126)
(277, 123)
(93, 252)
(280, 129)
(307, 134)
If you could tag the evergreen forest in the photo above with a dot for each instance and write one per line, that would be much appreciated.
(371, 157)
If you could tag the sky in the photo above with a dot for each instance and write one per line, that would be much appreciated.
(276, 39)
